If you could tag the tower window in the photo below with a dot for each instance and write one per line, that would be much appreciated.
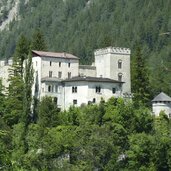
(50, 63)
(120, 77)
(69, 74)
(120, 64)
(69, 64)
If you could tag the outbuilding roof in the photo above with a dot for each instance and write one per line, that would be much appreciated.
(54, 54)
(162, 97)
(91, 79)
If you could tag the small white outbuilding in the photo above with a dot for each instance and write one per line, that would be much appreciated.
(161, 102)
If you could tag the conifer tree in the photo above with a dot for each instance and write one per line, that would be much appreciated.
(140, 80)
(38, 41)
(14, 102)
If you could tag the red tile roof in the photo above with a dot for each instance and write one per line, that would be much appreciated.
(53, 54)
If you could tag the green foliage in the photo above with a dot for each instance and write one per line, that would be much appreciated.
(140, 80)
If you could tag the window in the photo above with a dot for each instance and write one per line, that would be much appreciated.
(120, 77)
(50, 74)
(74, 102)
(94, 100)
(98, 89)
(50, 63)
(55, 100)
(74, 89)
(59, 64)
(113, 90)
(59, 74)
(120, 64)
(69, 64)
(49, 88)
(56, 88)
(69, 74)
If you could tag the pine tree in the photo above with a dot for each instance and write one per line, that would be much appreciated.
(14, 102)
(38, 41)
(140, 80)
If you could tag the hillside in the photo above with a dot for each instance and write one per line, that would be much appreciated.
(80, 26)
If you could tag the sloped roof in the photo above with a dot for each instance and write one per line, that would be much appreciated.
(50, 79)
(54, 54)
(162, 97)
(92, 79)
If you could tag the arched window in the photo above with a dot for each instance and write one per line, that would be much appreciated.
(120, 76)
(119, 64)
(49, 88)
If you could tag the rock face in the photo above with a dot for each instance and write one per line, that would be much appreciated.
(8, 12)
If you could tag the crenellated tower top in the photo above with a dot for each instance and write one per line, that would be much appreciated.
(112, 50)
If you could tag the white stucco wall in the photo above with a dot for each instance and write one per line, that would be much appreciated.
(86, 91)
(161, 106)
(106, 62)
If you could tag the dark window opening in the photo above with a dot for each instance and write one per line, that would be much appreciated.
(49, 88)
(119, 64)
(55, 100)
(69, 64)
(50, 74)
(120, 77)
(74, 102)
(113, 90)
(98, 89)
(74, 89)
(50, 63)
(59, 64)
(94, 100)
(69, 74)
(59, 74)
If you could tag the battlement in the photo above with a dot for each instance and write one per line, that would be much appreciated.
(112, 50)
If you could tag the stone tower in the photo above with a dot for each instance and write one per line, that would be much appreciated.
(114, 63)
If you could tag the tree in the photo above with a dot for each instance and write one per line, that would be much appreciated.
(38, 41)
(140, 80)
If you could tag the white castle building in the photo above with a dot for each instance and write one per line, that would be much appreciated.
(60, 76)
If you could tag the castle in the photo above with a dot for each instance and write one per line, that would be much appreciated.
(60, 76)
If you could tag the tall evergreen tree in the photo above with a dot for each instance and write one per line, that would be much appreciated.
(38, 41)
(140, 80)
(14, 102)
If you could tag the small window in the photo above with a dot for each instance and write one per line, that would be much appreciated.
(55, 100)
(113, 90)
(49, 88)
(36, 63)
(120, 77)
(59, 74)
(74, 89)
(120, 64)
(74, 102)
(69, 74)
(50, 74)
(94, 100)
(69, 64)
(56, 88)
(50, 63)
(59, 64)
(98, 89)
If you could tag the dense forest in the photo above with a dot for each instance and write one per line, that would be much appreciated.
(81, 26)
